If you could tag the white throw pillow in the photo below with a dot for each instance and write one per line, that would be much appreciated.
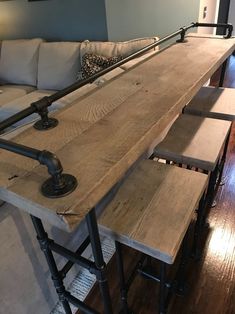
(58, 65)
(110, 49)
(19, 61)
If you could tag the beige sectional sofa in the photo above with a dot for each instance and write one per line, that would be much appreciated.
(31, 69)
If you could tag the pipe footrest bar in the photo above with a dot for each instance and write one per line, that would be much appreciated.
(73, 257)
(66, 268)
(48, 246)
(79, 304)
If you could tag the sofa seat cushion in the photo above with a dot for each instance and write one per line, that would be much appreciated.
(11, 92)
(135, 61)
(58, 65)
(21, 103)
(19, 61)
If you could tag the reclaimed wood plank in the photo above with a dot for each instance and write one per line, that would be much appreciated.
(152, 210)
(217, 103)
(194, 141)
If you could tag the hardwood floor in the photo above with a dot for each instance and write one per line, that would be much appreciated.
(212, 280)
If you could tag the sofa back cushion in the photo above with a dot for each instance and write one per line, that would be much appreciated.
(59, 65)
(19, 61)
(118, 49)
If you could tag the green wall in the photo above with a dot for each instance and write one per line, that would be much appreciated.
(53, 19)
(128, 19)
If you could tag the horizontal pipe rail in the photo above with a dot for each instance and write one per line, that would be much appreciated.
(66, 268)
(228, 27)
(16, 117)
(48, 100)
(79, 304)
(59, 182)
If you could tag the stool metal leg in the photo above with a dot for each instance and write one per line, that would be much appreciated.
(223, 159)
(223, 72)
(122, 283)
(99, 260)
(196, 252)
(162, 290)
(58, 282)
(182, 267)
(212, 186)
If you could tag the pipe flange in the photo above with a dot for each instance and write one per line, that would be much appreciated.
(46, 125)
(49, 189)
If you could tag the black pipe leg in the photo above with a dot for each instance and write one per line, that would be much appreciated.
(196, 252)
(212, 187)
(122, 283)
(180, 277)
(223, 160)
(162, 290)
(99, 260)
(222, 74)
(55, 275)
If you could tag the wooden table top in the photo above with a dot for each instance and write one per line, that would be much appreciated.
(99, 138)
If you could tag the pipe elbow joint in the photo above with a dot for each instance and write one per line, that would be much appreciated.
(52, 162)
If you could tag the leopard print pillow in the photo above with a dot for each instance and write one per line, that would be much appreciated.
(92, 63)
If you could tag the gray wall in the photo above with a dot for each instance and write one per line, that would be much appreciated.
(128, 19)
(53, 19)
(88, 19)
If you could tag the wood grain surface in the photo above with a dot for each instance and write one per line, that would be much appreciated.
(133, 109)
(194, 141)
(152, 210)
(218, 103)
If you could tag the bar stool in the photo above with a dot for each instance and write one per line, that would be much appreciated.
(198, 143)
(216, 103)
(210, 102)
(151, 213)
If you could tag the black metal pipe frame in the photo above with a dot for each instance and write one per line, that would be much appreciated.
(48, 246)
(60, 184)
(222, 73)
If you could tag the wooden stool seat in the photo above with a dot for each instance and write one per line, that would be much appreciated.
(194, 141)
(153, 208)
(217, 103)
